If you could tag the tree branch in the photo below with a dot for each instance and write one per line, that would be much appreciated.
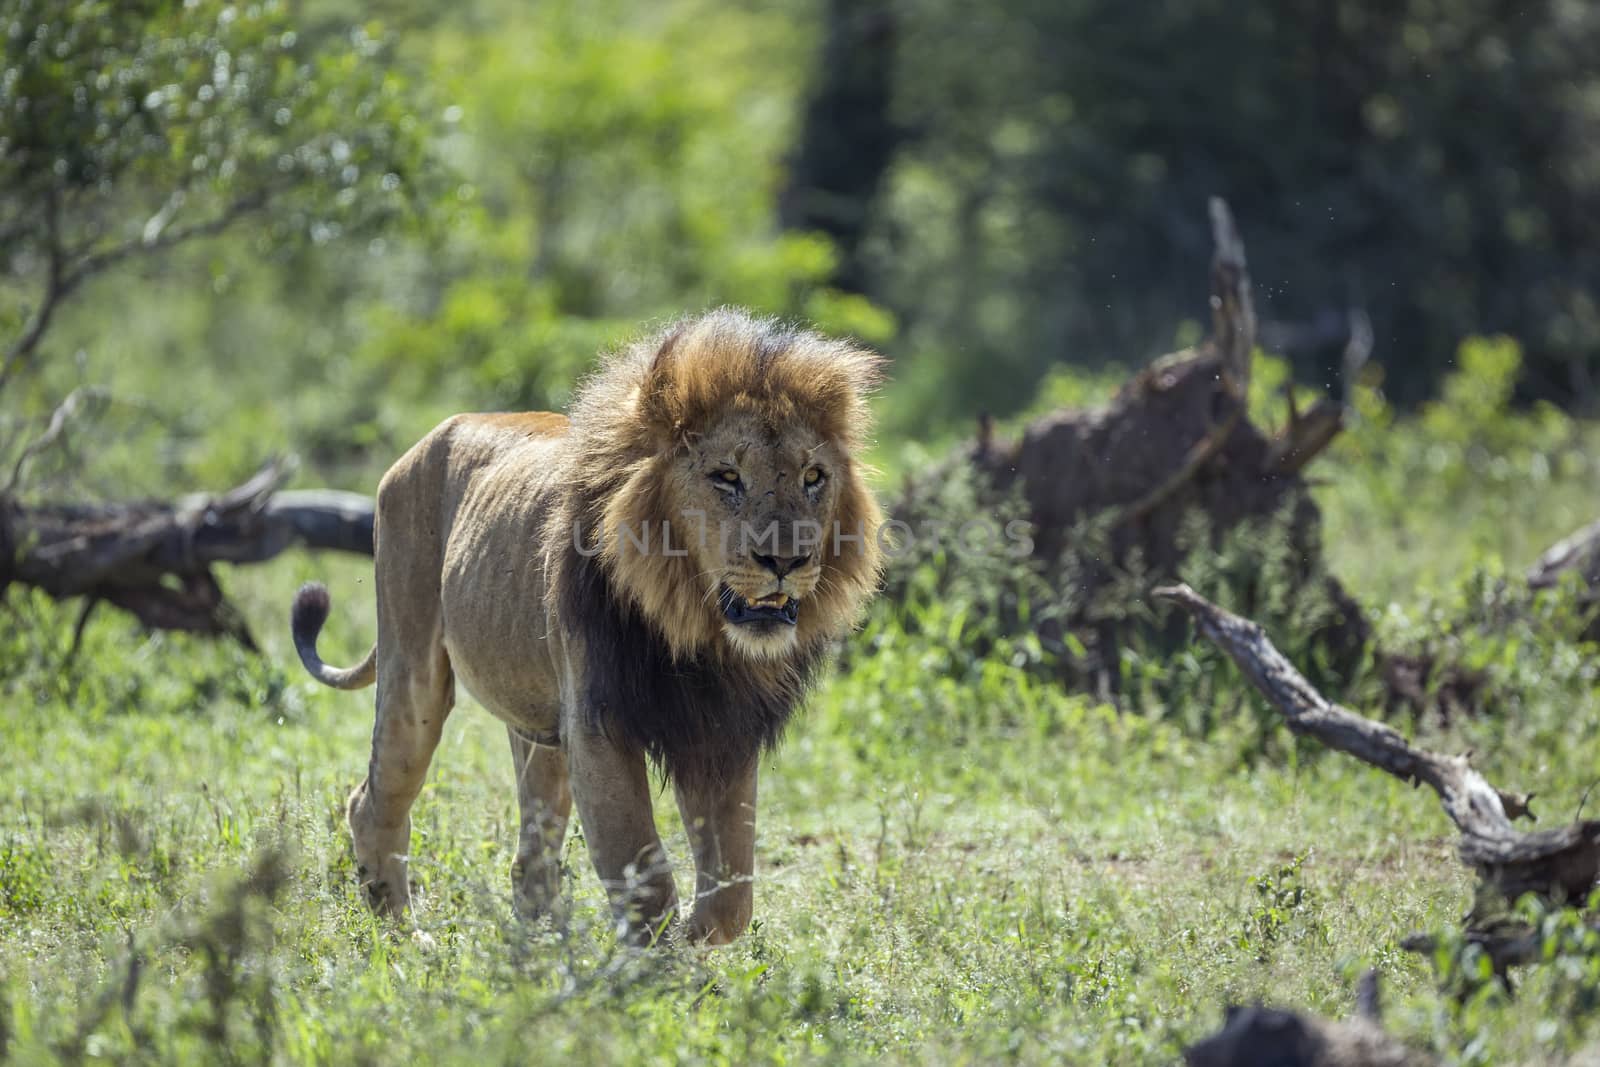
(56, 288)
(155, 559)
(64, 277)
(1304, 439)
(1578, 551)
(1202, 453)
(63, 414)
(164, 238)
(1233, 335)
(1233, 313)
(1561, 865)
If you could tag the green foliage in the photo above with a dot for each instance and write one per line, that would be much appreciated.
(1280, 896)
(580, 170)
(24, 873)
(135, 131)
(1256, 569)
(1489, 484)
(641, 187)
(1565, 981)
(1087, 619)
(123, 125)
(957, 861)
(960, 576)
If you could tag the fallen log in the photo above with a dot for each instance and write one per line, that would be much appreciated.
(155, 559)
(1560, 866)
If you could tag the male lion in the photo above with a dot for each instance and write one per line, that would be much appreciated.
(656, 577)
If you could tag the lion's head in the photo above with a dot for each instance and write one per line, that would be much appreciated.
(719, 485)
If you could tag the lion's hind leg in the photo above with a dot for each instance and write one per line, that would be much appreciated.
(415, 695)
(544, 799)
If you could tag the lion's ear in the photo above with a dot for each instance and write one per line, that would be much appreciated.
(660, 398)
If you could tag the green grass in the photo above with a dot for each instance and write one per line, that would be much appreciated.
(956, 870)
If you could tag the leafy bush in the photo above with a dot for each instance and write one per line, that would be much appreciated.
(1415, 502)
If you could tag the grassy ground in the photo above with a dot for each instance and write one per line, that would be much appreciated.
(959, 872)
(958, 863)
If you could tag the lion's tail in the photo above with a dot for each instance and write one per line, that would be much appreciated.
(305, 620)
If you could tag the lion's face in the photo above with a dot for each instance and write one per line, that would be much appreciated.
(758, 506)
(737, 434)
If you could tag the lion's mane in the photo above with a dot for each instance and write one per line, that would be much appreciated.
(657, 675)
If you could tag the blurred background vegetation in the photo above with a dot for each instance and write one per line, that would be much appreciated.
(404, 210)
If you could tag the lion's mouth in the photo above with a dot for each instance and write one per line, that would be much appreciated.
(774, 607)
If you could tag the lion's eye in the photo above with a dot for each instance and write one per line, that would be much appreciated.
(813, 476)
(726, 478)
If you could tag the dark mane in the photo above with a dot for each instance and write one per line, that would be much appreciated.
(702, 720)
(659, 675)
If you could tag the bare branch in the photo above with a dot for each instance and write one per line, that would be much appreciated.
(1304, 439)
(1233, 313)
(1202, 453)
(164, 237)
(1233, 325)
(1560, 865)
(155, 559)
(1578, 551)
(89, 604)
(64, 277)
(56, 288)
(64, 413)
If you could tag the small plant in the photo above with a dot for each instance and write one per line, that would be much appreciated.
(24, 878)
(1279, 897)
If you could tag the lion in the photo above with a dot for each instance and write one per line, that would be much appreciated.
(653, 579)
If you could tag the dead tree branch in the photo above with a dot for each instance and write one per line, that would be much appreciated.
(1204, 451)
(155, 559)
(64, 413)
(1308, 434)
(1233, 310)
(159, 238)
(1233, 336)
(1304, 439)
(1559, 865)
(1579, 551)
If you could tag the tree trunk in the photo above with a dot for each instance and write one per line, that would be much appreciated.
(848, 138)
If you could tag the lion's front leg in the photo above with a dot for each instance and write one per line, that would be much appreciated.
(721, 823)
(612, 789)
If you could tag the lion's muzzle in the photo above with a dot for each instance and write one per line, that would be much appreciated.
(776, 608)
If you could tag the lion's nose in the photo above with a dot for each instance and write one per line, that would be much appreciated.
(780, 565)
